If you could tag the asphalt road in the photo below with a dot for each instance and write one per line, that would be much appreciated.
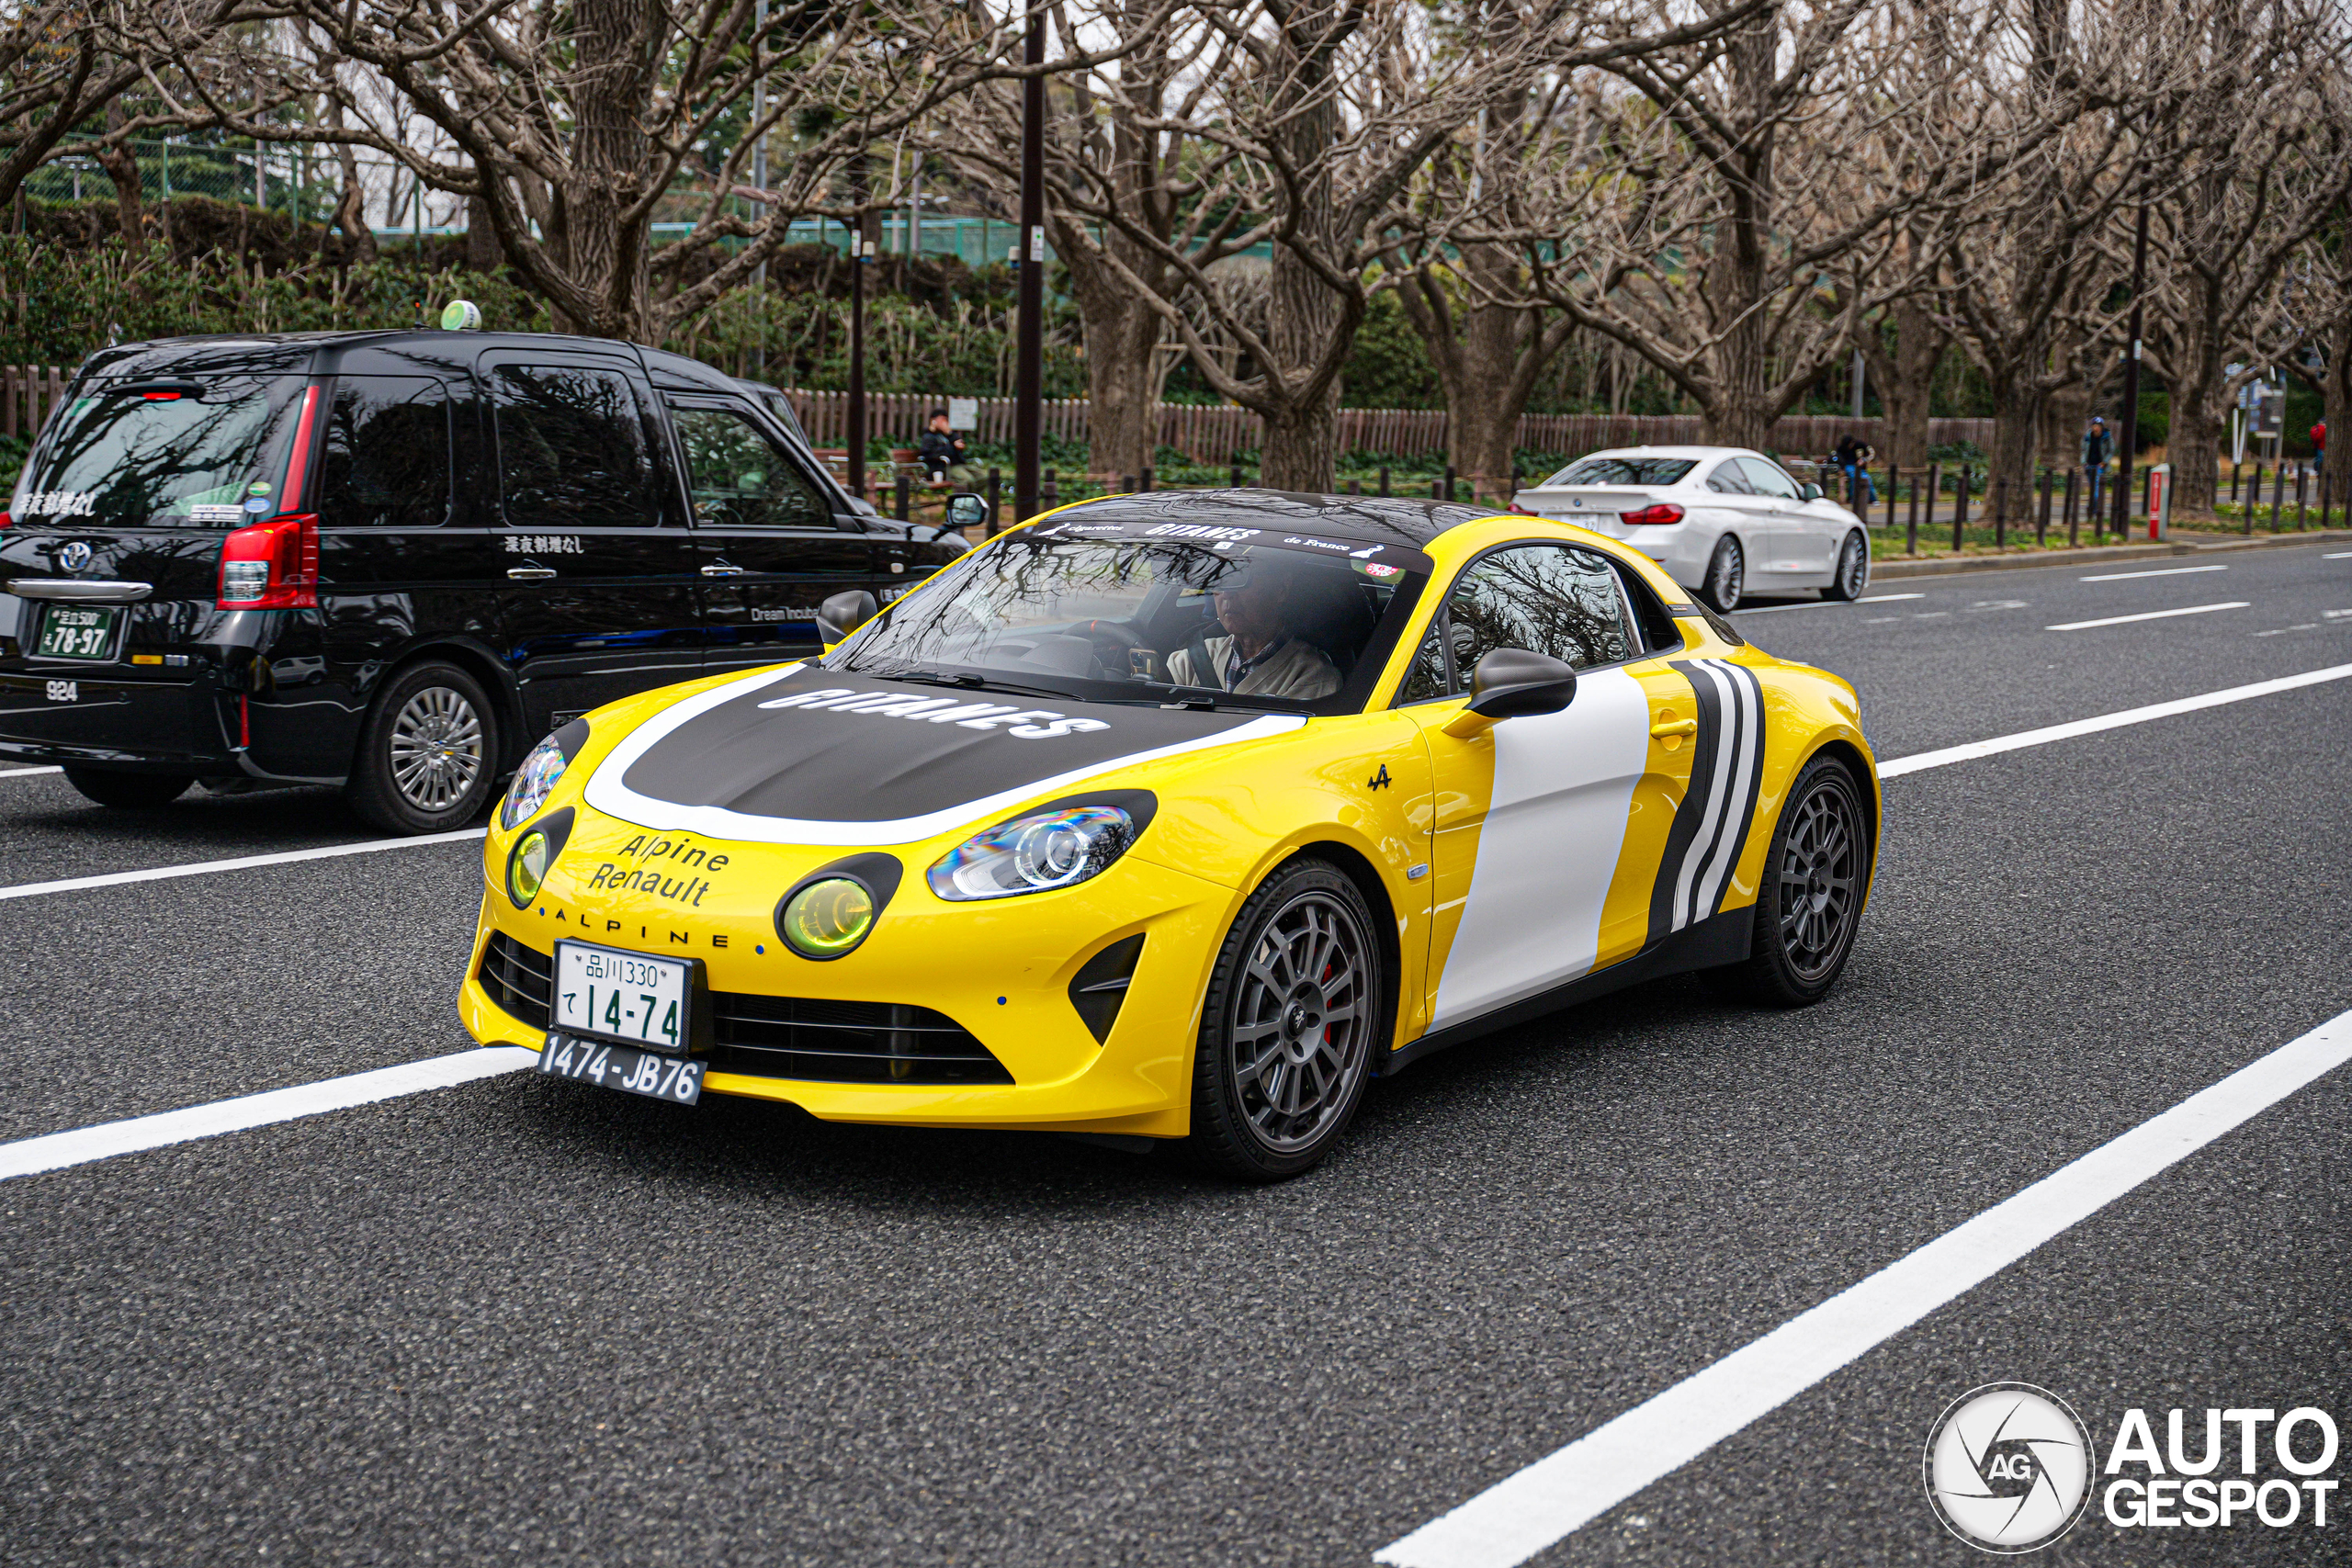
(533, 1323)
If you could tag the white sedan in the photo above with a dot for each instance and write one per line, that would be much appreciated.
(1722, 521)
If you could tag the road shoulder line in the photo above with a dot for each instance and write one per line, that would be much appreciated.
(1557, 1495)
(242, 862)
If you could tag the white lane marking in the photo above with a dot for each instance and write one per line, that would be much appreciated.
(2147, 615)
(26, 772)
(242, 862)
(2337, 555)
(54, 1151)
(1822, 604)
(1887, 598)
(2068, 731)
(2159, 571)
(2334, 615)
(1525, 1513)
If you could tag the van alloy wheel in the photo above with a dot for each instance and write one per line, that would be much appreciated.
(437, 746)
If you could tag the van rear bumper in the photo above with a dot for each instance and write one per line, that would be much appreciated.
(175, 727)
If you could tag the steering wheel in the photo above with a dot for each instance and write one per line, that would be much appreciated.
(1111, 639)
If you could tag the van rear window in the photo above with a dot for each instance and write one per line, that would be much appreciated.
(150, 455)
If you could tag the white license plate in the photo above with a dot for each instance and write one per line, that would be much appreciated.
(612, 995)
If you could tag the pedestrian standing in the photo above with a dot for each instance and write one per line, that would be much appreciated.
(2098, 446)
(1847, 457)
(2319, 445)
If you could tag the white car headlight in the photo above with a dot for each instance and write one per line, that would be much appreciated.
(1034, 853)
(533, 782)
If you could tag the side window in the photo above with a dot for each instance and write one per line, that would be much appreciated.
(737, 479)
(1426, 678)
(1547, 599)
(1766, 479)
(384, 461)
(1725, 479)
(571, 450)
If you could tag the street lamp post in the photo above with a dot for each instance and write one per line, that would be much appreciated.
(857, 361)
(2128, 435)
(1029, 365)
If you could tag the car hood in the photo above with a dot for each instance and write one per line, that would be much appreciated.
(810, 756)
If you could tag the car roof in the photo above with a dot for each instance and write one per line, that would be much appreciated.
(1386, 520)
(386, 348)
(1695, 452)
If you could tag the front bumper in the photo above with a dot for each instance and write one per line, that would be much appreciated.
(1003, 970)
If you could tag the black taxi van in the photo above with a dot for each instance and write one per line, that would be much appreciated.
(392, 560)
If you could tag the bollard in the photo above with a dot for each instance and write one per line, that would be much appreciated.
(2073, 519)
(996, 501)
(1237, 471)
(1935, 480)
(2000, 502)
(2302, 475)
(1384, 481)
(2253, 500)
(1143, 480)
(1891, 477)
(1960, 508)
(1049, 495)
(900, 488)
(2233, 484)
(2041, 512)
(1127, 484)
(1355, 487)
(2277, 495)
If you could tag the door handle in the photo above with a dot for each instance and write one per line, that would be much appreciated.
(720, 569)
(530, 573)
(1670, 730)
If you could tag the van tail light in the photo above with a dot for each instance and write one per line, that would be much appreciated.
(5, 520)
(1663, 512)
(272, 565)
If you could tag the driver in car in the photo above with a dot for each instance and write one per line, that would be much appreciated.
(1262, 654)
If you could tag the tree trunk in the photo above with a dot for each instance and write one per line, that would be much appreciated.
(1906, 377)
(483, 252)
(607, 254)
(1740, 412)
(1299, 454)
(2016, 439)
(2193, 441)
(1487, 358)
(2335, 405)
(122, 167)
(1121, 380)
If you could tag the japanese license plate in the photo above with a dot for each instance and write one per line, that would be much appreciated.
(625, 1067)
(623, 997)
(76, 631)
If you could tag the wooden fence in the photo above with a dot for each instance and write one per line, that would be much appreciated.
(28, 393)
(1212, 434)
(1203, 434)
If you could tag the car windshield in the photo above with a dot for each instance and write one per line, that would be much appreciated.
(1293, 628)
(1607, 470)
(148, 454)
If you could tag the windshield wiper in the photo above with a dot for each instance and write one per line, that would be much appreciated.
(970, 683)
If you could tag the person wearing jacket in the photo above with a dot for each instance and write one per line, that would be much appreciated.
(2097, 448)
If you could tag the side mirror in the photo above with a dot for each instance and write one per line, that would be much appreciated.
(1511, 682)
(844, 613)
(1808, 493)
(966, 510)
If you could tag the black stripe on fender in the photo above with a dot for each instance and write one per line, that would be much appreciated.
(1746, 774)
(1692, 813)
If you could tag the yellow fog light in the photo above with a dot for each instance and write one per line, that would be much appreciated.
(529, 866)
(827, 918)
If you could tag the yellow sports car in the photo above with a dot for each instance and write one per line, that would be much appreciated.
(1176, 817)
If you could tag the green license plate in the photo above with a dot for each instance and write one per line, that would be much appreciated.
(76, 631)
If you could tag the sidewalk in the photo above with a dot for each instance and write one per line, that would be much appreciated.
(1886, 569)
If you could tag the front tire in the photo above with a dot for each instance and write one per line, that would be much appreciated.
(1853, 570)
(1725, 583)
(127, 791)
(1296, 1005)
(1815, 877)
(427, 753)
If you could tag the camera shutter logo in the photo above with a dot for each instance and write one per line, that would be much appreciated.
(2008, 1467)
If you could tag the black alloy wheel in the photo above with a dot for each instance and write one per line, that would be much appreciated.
(1726, 580)
(1296, 1005)
(1815, 876)
(1853, 570)
(127, 791)
(428, 753)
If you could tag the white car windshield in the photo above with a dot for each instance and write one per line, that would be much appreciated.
(1136, 618)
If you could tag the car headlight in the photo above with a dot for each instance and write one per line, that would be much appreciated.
(534, 781)
(1035, 853)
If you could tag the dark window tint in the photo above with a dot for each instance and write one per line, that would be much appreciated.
(1766, 479)
(1426, 678)
(571, 449)
(1605, 470)
(738, 478)
(1546, 599)
(384, 461)
(161, 453)
(1726, 479)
